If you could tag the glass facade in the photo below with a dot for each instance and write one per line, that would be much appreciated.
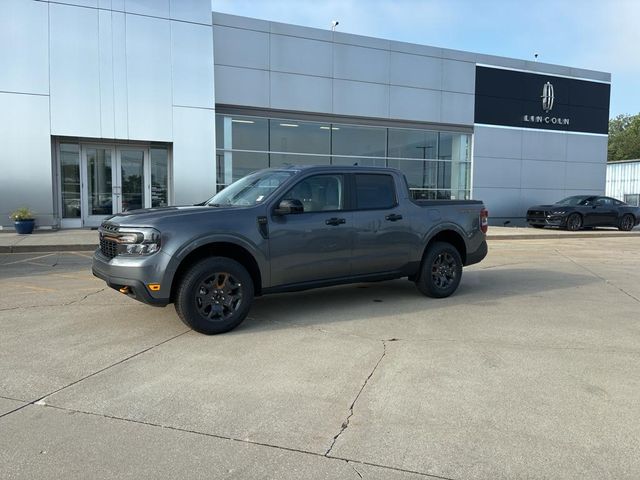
(437, 164)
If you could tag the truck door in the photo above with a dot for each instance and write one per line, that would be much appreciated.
(384, 239)
(316, 244)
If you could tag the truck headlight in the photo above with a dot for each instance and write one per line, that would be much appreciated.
(558, 212)
(138, 241)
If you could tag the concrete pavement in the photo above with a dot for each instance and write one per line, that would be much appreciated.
(529, 371)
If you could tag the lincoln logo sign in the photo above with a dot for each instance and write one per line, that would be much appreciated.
(547, 97)
(547, 105)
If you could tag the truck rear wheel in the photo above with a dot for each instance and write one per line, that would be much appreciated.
(214, 295)
(441, 271)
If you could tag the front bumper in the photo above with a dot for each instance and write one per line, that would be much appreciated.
(135, 273)
(547, 221)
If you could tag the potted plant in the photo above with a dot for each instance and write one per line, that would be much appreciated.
(24, 221)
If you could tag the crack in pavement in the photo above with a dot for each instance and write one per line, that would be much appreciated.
(503, 344)
(41, 400)
(608, 282)
(345, 424)
(355, 469)
(72, 302)
(349, 461)
(85, 297)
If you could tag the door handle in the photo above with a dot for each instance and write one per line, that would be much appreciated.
(394, 217)
(335, 221)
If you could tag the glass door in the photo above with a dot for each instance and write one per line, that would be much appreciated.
(96, 181)
(98, 188)
(130, 189)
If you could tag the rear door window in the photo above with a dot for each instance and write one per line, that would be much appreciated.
(374, 191)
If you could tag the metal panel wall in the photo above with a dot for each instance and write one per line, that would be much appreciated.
(74, 71)
(191, 67)
(370, 77)
(119, 65)
(193, 11)
(194, 174)
(25, 157)
(360, 63)
(24, 47)
(623, 178)
(241, 48)
(543, 166)
(149, 78)
(105, 36)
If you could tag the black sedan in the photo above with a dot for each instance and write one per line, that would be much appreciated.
(574, 213)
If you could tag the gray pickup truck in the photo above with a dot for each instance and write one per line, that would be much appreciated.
(288, 229)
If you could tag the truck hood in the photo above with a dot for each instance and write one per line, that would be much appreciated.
(151, 217)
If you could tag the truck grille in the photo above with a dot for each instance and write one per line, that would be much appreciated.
(108, 244)
(108, 247)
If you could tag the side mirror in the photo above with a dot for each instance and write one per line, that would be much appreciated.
(289, 206)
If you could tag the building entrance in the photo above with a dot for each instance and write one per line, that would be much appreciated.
(100, 180)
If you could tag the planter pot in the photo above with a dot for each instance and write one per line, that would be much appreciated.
(24, 227)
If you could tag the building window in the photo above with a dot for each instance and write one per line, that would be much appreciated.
(159, 177)
(437, 164)
(70, 180)
(358, 141)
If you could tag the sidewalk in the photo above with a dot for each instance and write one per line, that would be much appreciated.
(49, 241)
(87, 240)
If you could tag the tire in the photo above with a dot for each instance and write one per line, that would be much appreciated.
(435, 282)
(537, 226)
(214, 296)
(574, 222)
(627, 222)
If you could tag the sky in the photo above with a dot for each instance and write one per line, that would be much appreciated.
(599, 35)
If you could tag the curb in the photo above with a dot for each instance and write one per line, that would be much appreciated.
(556, 236)
(47, 248)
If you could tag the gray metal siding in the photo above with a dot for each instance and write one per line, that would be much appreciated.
(623, 178)
(133, 70)
(543, 166)
(367, 77)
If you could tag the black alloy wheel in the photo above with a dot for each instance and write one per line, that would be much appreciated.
(441, 270)
(574, 222)
(219, 296)
(627, 223)
(214, 295)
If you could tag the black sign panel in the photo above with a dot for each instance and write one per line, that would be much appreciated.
(532, 100)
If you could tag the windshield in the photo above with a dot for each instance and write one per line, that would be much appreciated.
(576, 200)
(250, 190)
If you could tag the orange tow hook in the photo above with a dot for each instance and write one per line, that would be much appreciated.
(124, 290)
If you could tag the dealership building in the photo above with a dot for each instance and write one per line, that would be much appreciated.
(112, 105)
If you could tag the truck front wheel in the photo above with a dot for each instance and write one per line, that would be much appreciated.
(214, 295)
(441, 270)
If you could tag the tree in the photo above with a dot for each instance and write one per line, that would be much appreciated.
(624, 138)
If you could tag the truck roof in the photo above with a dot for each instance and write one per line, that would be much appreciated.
(349, 168)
